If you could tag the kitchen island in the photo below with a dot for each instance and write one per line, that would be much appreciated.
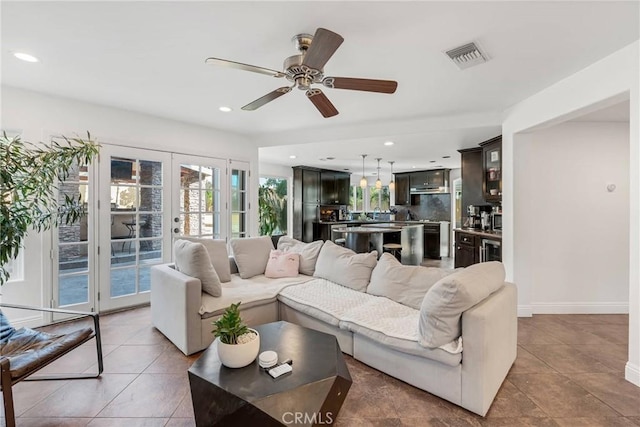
(371, 237)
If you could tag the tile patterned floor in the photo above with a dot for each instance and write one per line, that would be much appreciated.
(569, 372)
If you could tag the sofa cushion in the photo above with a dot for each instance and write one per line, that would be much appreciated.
(193, 260)
(217, 249)
(251, 255)
(445, 302)
(252, 292)
(323, 299)
(345, 267)
(308, 252)
(282, 264)
(406, 284)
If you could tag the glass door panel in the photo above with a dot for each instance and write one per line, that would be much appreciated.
(74, 282)
(239, 180)
(198, 206)
(134, 232)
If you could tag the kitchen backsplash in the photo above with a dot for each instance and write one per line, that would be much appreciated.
(433, 207)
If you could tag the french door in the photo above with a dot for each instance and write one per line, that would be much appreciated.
(138, 201)
(135, 218)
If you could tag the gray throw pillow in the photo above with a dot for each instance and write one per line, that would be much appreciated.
(217, 249)
(406, 284)
(193, 260)
(308, 252)
(251, 255)
(452, 295)
(345, 267)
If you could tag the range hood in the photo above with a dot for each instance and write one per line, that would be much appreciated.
(429, 189)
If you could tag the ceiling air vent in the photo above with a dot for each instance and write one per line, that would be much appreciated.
(467, 56)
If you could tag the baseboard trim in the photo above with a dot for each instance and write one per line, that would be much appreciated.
(525, 311)
(632, 373)
(580, 308)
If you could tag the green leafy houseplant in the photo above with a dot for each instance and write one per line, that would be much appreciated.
(29, 174)
(230, 326)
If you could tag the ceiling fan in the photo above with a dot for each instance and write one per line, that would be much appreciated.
(306, 69)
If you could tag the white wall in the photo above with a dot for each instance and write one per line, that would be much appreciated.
(37, 116)
(578, 242)
(606, 82)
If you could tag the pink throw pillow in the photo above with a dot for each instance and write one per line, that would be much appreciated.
(282, 264)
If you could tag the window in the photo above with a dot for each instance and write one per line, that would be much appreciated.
(272, 206)
(356, 200)
(379, 198)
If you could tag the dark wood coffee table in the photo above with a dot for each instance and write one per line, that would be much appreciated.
(310, 395)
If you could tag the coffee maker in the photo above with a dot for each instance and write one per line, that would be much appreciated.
(479, 216)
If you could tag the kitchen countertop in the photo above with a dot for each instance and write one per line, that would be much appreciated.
(380, 221)
(481, 233)
(368, 230)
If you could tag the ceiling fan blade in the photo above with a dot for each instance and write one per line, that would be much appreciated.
(323, 46)
(267, 98)
(245, 67)
(367, 85)
(321, 102)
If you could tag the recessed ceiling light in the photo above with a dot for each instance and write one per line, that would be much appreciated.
(446, 157)
(293, 156)
(432, 161)
(25, 57)
(389, 143)
(413, 167)
(345, 169)
(331, 158)
(225, 109)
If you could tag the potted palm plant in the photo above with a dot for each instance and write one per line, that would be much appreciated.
(28, 180)
(238, 345)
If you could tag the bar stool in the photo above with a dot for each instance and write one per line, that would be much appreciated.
(394, 249)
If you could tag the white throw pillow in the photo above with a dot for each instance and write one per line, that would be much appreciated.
(217, 249)
(308, 252)
(251, 254)
(406, 284)
(193, 260)
(445, 302)
(282, 264)
(345, 267)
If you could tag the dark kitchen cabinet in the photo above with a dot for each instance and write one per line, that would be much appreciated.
(306, 202)
(467, 249)
(312, 187)
(334, 188)
(492, 169)
(402, 189)
(418, 179)
(472, 173)
(430, 178)
(431, 241)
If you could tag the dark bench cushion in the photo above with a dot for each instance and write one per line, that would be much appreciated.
(28, 349)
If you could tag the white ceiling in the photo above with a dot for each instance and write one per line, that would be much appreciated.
(149, 57)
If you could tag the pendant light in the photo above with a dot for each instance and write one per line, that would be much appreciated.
(392, 184)
(363, 181)
(378, 182)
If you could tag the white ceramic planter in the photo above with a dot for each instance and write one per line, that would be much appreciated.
(239, 355)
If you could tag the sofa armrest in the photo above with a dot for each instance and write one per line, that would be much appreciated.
(175, 302)
(490, 341)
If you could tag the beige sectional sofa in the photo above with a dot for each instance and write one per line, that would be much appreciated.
(451, 333)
